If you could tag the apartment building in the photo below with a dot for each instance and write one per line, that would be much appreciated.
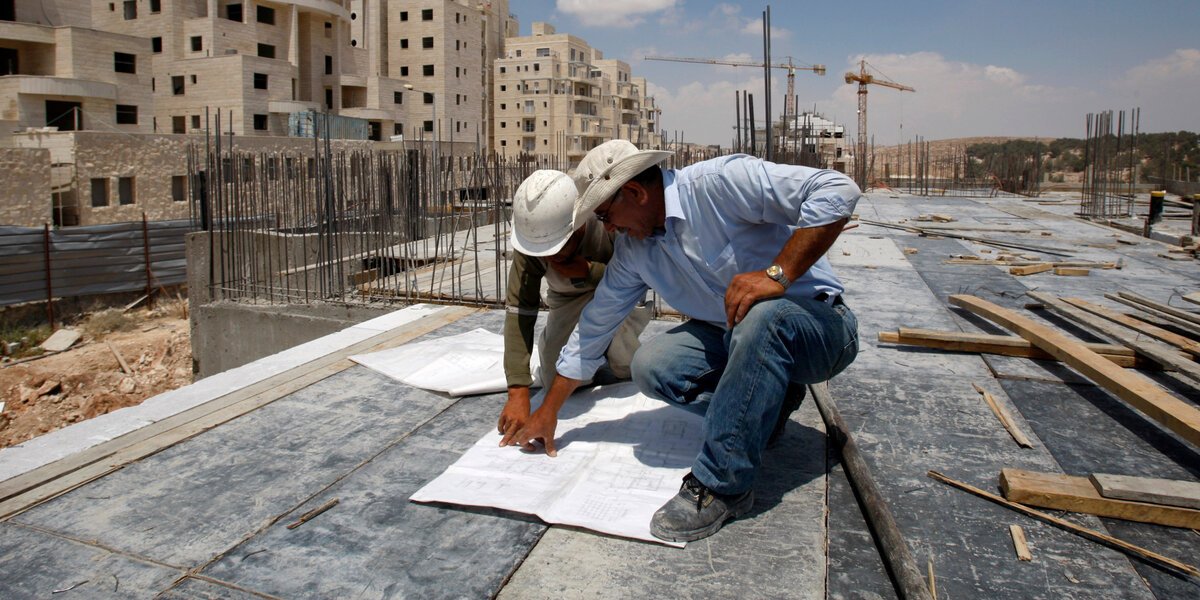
(557, 95)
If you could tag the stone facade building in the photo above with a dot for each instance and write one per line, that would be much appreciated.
(556, 95)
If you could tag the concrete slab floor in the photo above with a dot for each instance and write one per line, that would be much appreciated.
(207, 516)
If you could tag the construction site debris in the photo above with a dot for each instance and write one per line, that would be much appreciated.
(1171, 492)
(312, 514)
(1095, 536)
(1071, 271)
(1020, 545)
(61, 340)
(1031, 269)
(1077, 494)
(1004, 417)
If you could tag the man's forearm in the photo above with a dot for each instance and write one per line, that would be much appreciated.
(806, 247)
(559, 391)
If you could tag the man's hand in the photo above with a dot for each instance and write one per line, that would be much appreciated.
(576, 267)
(744, 291)
(516, 410)
(539, 427)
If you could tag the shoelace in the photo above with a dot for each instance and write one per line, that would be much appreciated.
(697, 489)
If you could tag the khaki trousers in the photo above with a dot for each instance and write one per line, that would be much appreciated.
(561, 320)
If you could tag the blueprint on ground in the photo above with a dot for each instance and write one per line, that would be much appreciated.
(459, 365)
(621, 455)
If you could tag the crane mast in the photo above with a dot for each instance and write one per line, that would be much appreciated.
(863, 78)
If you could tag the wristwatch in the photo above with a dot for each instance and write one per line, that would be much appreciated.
(776, 272)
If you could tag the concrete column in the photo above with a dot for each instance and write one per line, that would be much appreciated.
(294, 39)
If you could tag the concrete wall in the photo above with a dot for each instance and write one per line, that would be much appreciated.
(25, 199)
(225, 335)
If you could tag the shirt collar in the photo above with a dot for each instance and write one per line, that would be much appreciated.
(674, 209)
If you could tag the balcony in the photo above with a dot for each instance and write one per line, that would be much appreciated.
(35, 85)
(291, 106)
(328, 7)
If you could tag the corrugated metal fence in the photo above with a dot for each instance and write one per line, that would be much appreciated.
(36, 264)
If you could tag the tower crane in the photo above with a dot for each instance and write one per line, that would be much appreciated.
(863, 79)
(789, 106)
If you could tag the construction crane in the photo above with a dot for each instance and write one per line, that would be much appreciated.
(789, 106)
(864, 79)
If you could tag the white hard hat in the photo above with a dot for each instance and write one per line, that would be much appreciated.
(543, 213)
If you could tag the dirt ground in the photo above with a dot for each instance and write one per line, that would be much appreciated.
(87, 380)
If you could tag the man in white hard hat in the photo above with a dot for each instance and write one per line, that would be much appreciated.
(738, 244)
(569, 251)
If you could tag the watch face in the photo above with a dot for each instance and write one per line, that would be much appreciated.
(774, 271)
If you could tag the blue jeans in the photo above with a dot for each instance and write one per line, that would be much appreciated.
(743, 374)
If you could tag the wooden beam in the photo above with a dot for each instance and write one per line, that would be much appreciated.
(1095, 536)
(120, 359)
(1031, 269)
(1139, 392)
(1005, 345)
(1182, 324)
(1167, 356)
(1170, 310)
(1077, 494)
(1185, 494)
(1071, 271)
(1157, 333)
(1193, 297)
(1004, 417)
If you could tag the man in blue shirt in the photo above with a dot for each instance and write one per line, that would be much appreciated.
(738, 244)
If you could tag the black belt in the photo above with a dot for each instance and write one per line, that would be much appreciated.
(824, 297)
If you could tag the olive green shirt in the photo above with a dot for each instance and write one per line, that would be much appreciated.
(524, 296)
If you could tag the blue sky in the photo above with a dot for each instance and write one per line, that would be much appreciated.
(979, 67)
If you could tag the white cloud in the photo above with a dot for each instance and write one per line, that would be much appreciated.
(755, 27)
(704, 111)
(1181, 65)
(613, 13)
(1165, 89)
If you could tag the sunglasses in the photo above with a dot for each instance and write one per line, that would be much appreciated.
(603, 215)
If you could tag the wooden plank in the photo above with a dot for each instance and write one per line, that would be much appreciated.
(1181, 324)
(1077, 494)
(1157, 333)
(1095, 536)
(45, 482)
(1071, 271)
(1004, 417)
(1172, 492)
(1170, 310)
(1020, 545)
(120, 359)
(965, 260)
(1193, 297)
(1139, 392)
(1031, 269)
(1005, 345)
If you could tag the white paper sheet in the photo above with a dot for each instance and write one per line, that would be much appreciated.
(617, 463)
(459, 365)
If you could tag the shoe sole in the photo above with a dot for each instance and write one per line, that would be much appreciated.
(734, 512)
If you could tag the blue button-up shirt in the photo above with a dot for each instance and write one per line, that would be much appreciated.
(724, 216)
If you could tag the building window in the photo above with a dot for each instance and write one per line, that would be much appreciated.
(503, 106)
(398, 129)
(398, 97)
(504, 88)
(503, 70)
(427, 14)
(260, 122)
(428, 125)
(195, 121)
(518, 53)
(260, 81)
(130, 10)
(328, 29)
(124, 63)
(329, 98)
(197, 43)
(428, 98)
(375, 131)
(404, 15)
(427, 70)
(503, 142)
(404, 71)
(177, 87)
(328, 65)
(178, 125)
(155, 6)
(503, 125)
(193, 79)
(100, 191)
(543, 52)
(457, 43)
(266, 15)
(156, 45)
(426, 42)
(233, 12)
(266, 50)
(404, 43)
(125, 190)
(126, 114)
(456, 69)
(179, 188)
(537, 66)
(456, 100)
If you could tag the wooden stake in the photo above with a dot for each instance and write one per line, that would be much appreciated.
(932, 580)
(1005, 419)
(120, 359)
(1019, 544)
(1095, 536)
